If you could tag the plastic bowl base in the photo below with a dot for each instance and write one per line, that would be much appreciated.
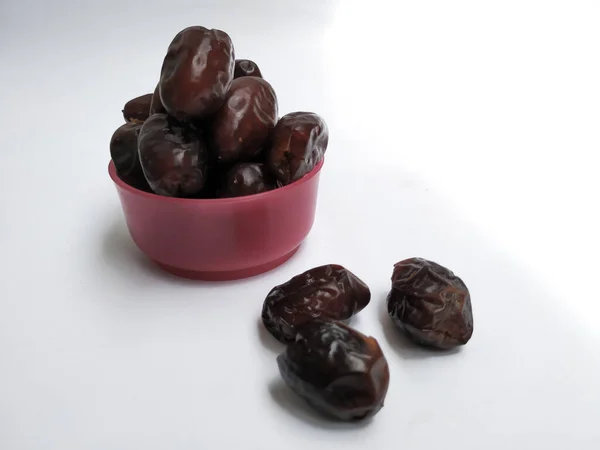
(230, 274)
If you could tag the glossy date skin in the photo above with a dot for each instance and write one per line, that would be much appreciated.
(430, 304)
(328, 292)
(247, 179)
(246, 68)
(337, 370)
(196, 73)
(156, 106)
(298, 144)
(137, 109)
(173, 156)
(243, 124)
(124, 153)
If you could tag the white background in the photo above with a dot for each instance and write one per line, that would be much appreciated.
(466, 132)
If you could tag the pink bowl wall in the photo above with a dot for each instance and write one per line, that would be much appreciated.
(220, 239)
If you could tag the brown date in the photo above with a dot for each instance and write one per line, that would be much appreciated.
(156, 106)
(137, 108)
(196, 73)
(299, 142)
(173, 156)
(337, 370)
(242, 125)
(124, 153)
(214, 180)
(329, 292)
(246, 68)
(247, 179)
(430, 304)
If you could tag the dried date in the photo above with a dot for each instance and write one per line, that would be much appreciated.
(328, 292)
(156, 106)
(242, 125)
(337, 370)
(196, 73)
(246, 68)
(247, 179)
(173, 156)
(124, 153)
(137, 108)
(430, 304)
(298, 144)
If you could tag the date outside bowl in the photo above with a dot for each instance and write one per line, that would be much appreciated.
(220, 239)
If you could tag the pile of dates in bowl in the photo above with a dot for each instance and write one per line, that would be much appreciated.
(211, 128)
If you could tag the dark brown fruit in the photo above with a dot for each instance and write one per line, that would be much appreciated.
(298, 144)
(196, 73)
(124, 153)
(328, 292)
(337, 370)
(173, 156)
(246, 68)
(214, 181)
(247, 179)
(430, 304)
(137, 108)
(156, 106)
(242, 125)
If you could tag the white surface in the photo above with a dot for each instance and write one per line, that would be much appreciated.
(465, 132)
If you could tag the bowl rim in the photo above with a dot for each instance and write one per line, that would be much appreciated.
(112, 171)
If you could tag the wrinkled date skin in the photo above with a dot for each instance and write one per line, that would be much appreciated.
(173, 156)
(124, 153)
(298, 144)
(247, 179)
(430, 304)
(196, 73)
(328, 292)
(137, 108)
(242, 125)
(156, 106)
(246, 68)
(337, 370)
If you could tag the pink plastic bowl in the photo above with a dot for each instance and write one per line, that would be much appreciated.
(220, 239)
